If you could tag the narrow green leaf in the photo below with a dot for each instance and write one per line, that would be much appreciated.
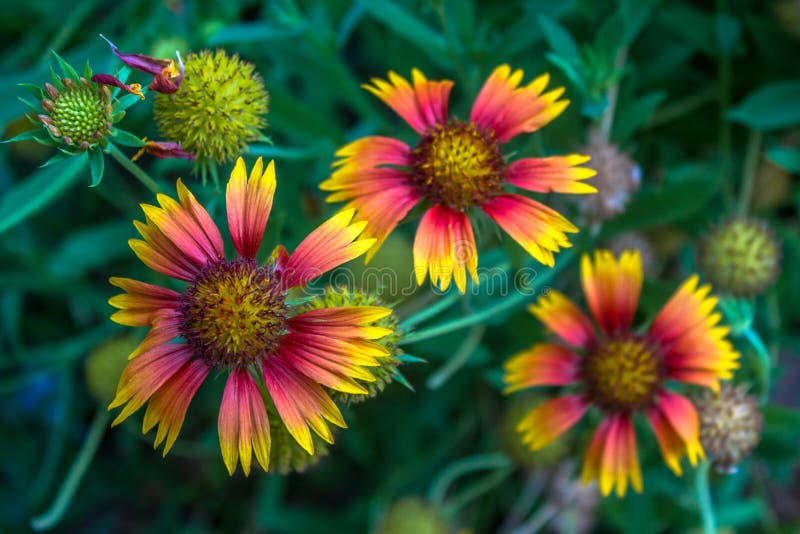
(774, 106)
(88, 249)
(61, 156)
(30, 135)
(66, 68)
(37, 92)
(253, 32)
(632, 116)
(37, 191)
(559, 39)
(124, 138)
(126, 101)
(96, 165)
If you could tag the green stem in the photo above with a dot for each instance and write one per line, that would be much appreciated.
(69, 486)
(725, 76)
(481, 486)
(764, 361)
(459, 468)
(749, 172)
(133, 168)
(431, 311)
(704, 497)
(607, 121)
(508, 303)
(460, 357)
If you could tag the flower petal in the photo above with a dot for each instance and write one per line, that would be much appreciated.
(330, 245)
(144, 375)
(167, 407)
(612, 458)
(507, 109)
(551, 419)
(424, 106)
(108, 79)
(141, 301)
(382, 196)
(445, 247)
(243, 425)
(559, 174)
(249, 203)
(301, 402)
(697, 349)
(612, 288)
(544, 364)
(537, 228)
(677, 428)
(561, 316)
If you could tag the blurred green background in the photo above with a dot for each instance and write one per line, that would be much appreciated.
(703, 94)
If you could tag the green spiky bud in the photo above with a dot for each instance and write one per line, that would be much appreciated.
(740, 257)
(386, 372)
(286, 455)
(218, 109)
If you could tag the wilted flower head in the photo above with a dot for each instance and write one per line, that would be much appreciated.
(618, 177)
(740, 257)
(730, 425)
(218, 109)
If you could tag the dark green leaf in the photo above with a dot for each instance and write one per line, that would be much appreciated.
(37, 191)
(632, 116)
(788, 158)
(559, 39)
(409, 27)
(253, 32)
(774, 106)
(88, 249)
(96, 165)
(126, 101)
(66, 69)
(124, 138)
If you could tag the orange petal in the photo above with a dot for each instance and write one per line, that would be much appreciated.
(548, 421)
(612, 288)
(544, 364)
(249, 203)
(445, 247)
(569, 323)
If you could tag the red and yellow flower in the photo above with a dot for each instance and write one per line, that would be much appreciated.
(455, 166)
(234, 316)
(622, 372)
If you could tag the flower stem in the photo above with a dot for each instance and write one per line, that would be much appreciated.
(133, 168)
(459, 359)
(725, 76)
(607, 120)
(704, 497)
(764, 360)
(508, 303)
(431, 311)
(749, 171)
(69, 486)
(459, 468)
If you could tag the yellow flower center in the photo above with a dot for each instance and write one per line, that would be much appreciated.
(622, 374)
(233, 313)
(457, 166)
